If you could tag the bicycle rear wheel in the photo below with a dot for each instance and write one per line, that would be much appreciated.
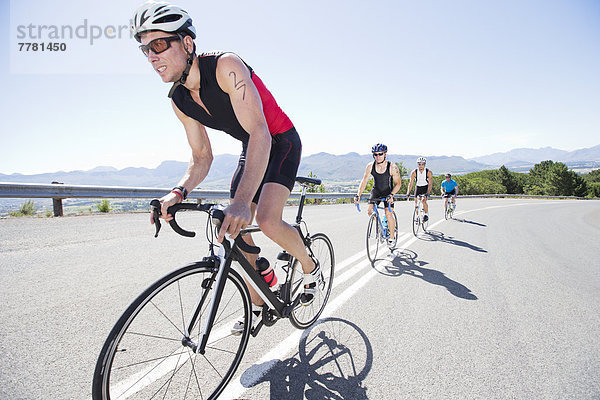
(144, 356)
(320, 247)
(373, 237)
(416, 221)
(424, 224)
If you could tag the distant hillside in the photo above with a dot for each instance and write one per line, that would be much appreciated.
(525, 157)
(333, 169)
(351, 166)
(167, 174)
(330, 167)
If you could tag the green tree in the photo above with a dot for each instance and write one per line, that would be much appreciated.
(593, 176)
(509, 180)
(478, 185)
(369, 186)
(315, 189)
(592, 180)
(594, 189)
(404, 175)
(554, 179)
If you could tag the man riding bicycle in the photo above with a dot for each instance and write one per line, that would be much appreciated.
(387, 182)
(424, 181)
(221, 91)
(449, 188)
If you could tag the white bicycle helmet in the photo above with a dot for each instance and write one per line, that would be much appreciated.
(421, 160)
(161, 16)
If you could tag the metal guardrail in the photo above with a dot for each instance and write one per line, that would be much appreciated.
(58, 192)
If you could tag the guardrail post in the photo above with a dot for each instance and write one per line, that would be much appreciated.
(57, 203)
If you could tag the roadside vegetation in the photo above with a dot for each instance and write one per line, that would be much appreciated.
(547, 178)
(103, 206)
(27, 209)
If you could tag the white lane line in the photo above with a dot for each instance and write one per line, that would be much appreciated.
(235, 389)
(253, 375)
(140, 380)
(403, 237)
(350, 260)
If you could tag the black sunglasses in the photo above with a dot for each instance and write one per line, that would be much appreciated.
(158, 45)
(378, 154)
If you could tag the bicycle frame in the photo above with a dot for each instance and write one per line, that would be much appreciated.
(419, 204)
(375, 209)
(229, 252)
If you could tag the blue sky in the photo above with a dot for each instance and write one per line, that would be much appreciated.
(431, 77)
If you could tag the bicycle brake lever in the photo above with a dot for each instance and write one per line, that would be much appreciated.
(218, 217)
(155, 208)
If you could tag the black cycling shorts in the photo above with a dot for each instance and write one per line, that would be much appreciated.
(284, 160)
(421, 190)
(379, 195)
(449, 194)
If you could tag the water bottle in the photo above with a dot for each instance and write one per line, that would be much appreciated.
(263, 266)
(385, 227)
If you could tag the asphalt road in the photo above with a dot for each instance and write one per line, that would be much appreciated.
(501, 303)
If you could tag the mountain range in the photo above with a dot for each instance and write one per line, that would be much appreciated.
(347, 168)
(519, 157)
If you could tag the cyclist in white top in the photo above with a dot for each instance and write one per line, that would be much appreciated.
(424, 181)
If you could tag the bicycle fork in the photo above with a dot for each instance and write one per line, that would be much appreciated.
(217, 283)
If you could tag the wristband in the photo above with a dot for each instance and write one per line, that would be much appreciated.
(178, 194)
(184, 192)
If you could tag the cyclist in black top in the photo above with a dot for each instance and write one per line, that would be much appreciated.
(387, 182)
(221, 91)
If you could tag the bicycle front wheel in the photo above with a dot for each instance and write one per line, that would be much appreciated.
(320, 247)
(145, 356)
(448, 211)
(373, 237)
(416, 222)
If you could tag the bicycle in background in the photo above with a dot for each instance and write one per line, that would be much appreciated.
(418, 220)
(449, 206)
(378, 233)
(175, 339)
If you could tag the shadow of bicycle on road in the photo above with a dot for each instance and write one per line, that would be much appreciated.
(436, 236)
(405, 262)
(334, 357)
(466, 221)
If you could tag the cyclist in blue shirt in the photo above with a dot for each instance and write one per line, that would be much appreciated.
(449, 188)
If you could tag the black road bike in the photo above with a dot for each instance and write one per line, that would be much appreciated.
(175, 340)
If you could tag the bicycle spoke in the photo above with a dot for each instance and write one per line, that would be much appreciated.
(147, 361)
(144, 356)
(167, 318)
(154, 336)
(146, 374)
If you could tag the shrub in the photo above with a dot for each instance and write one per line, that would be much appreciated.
(28, 208)
(103, 206)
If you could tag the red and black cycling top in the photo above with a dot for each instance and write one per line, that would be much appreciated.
(217, 102)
